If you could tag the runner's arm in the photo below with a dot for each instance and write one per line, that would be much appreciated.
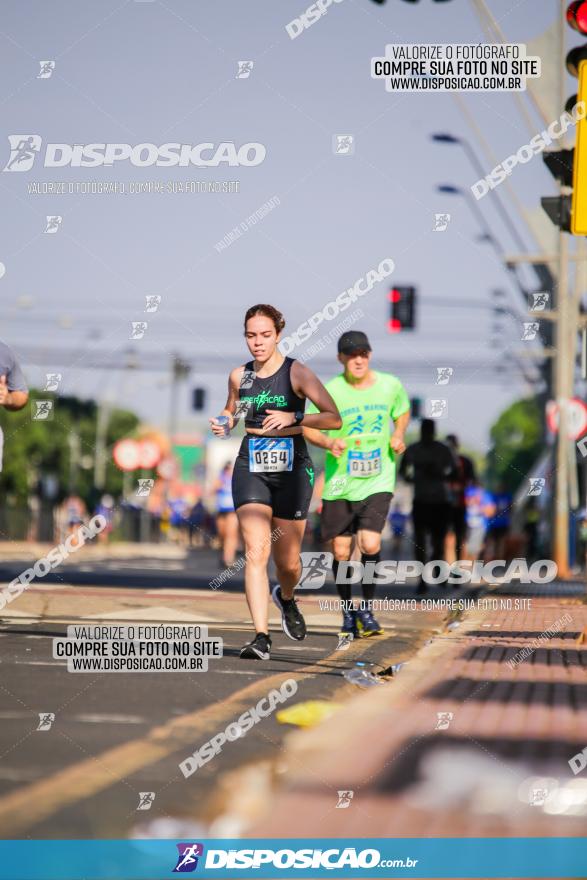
(306, 383)
(14, 394)
(396, 441)
(231, 401)
(317, 438)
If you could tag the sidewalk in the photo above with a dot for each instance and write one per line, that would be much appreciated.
(497, 767)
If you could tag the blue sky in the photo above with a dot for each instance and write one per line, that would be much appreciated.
(158, 72)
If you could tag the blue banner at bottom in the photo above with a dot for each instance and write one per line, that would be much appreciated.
(553, 857)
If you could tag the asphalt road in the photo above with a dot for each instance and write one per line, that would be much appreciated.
(118, 734)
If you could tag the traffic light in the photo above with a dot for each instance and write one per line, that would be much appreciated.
(402, 309)
(199, 399)
(569, 167)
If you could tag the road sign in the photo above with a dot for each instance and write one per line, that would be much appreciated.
(127, 455)
(577, 417)
(149, 454)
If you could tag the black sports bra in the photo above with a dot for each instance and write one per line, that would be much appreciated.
(271, 392)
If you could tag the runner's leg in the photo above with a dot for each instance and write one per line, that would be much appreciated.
(286, 553)
(255, 523)
(221, 530)
(370, 547)
(341, 550)
(230, 542)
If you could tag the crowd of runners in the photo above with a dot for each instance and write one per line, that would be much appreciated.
(359, 418)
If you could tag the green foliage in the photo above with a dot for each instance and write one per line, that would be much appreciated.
(516, 443)
(33, 449)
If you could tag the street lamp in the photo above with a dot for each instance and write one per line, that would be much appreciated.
(446, 138)
(449, 189)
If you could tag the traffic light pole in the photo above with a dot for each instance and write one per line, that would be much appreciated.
(563, 387)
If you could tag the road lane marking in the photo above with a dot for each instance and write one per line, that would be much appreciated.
(36, 802)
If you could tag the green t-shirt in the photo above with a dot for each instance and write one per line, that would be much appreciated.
(367, 465)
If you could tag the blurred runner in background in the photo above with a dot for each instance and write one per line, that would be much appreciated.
(430, 466)
(106, 509)
(226, 518)
(14, 393)
(465, 477)
(69, 516)
(479, 510)
(499, 523)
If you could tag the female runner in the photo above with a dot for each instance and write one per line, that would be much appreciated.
(273, 475)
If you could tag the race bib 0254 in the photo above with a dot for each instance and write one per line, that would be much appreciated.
(270, 454)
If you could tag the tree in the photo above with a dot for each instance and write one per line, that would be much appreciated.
(516, 444)
(62, 447)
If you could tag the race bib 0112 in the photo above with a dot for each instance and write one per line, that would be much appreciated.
(364, 464)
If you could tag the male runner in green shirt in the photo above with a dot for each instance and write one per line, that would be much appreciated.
(360, 467)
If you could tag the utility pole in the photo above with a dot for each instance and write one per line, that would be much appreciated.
(563, 388)
(180, 370)
(561, 372)
(100, 454)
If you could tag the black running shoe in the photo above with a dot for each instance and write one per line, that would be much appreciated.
(258, 649)
(292, 622)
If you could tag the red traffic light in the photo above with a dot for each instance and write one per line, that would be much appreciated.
(577, 16)
(402, 311)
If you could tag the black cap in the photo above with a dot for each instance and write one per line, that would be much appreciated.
(352, 341)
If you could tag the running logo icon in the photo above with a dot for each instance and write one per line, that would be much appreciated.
(138, 329)
(441, 222)
(437, 408)
(530, 331)
(444, 375)
(23, 151)
(537, 484)
(244, 69)
(187, 860)
(247, 379)
(43, 411)
(47, 68)
(314, 569)
(538, 797)
(53, 380)
(54, 221)
(539, 301)
(444, 719)
(146, 799)
(343, 145)
(46, 719)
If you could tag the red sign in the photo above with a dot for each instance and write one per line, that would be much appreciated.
(131, 455)
(126, 455)
(576, 418)
(149, 454)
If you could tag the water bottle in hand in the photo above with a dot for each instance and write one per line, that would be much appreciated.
(224, 422)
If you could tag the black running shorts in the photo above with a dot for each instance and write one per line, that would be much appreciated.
(288, 493)
(342, 517)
